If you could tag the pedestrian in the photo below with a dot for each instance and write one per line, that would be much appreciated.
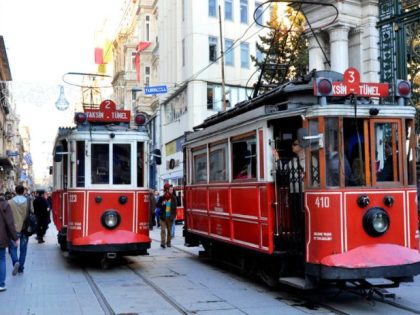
(157, 209)
(167, 214)
(42, 214)
(152, 209)
(7, 234)
(20, 209)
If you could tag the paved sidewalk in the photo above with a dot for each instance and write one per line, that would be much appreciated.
(51, 284)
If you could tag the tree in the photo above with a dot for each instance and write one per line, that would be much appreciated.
(284, 48)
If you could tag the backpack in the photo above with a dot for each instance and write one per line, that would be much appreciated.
(30, 225)
(31, 222)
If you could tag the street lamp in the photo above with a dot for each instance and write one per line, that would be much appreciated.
(62, 103)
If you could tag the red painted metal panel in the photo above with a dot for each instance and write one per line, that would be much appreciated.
(220, 226)
(199, 199)
(356, 235)
(199, 222)
(413, 219)
(324, 226)
(57, 209)
(76, 215)
(245, 200)
(219, 200)
(143, 213)
(247, 231)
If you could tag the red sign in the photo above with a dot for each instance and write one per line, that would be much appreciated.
(107, 112)
(352, 80)
(365, 89)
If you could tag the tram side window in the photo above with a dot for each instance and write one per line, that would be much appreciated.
(354, 150)
(244, 158)
(200, 166)
(410, 142)
(314, 175)
(333, 157)
(140, 165)
(121, 164)
(218, 163)
(80, 163)
(100, 163)
(387, 148)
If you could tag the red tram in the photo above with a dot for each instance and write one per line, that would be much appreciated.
(100, 195)
(344, 213)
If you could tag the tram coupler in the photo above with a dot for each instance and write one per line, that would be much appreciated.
(111, 255)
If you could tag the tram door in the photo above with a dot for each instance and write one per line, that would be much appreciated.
(289, 181)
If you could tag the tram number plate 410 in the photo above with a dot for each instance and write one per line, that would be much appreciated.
(322, 202)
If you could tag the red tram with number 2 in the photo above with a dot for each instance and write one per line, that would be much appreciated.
(100, 195)
(344, 212)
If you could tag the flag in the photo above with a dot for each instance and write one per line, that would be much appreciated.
(28, 158)
(107, 52)
(140, 47)
(99, 56)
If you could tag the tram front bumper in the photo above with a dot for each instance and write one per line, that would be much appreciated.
(369, 261)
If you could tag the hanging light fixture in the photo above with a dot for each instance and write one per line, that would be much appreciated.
(62, 103)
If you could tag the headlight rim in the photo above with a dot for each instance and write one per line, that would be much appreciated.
(368, 221)
(104, 217)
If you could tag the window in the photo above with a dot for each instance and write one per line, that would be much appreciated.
(332, 156)
(100, 163)
(229, 52)
(244, 11)
(121, 164)
(200, 166)
(183, 52)
(80, 163)
(244, 159)
(258, 54)
(140, 164)
(212, 7)
(210, 97)
(387, 149)
(133, 61)
(410, 142)
(218, 163)
(212, 48)
(314, 178)
(244, 55)
(147, 70)
(258, 13)
(147, 28)
(228, 10)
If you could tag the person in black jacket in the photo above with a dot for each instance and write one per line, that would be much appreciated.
(7, 233)
(42, 214)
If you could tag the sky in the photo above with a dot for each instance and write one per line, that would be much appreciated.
(45, 39)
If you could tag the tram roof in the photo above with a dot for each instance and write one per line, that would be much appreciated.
(302, 86)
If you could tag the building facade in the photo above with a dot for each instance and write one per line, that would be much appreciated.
(190, 65)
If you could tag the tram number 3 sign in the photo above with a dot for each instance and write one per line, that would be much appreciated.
(351, 84)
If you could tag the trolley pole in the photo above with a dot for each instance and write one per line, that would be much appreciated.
(223, 61)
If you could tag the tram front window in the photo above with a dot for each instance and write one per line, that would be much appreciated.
(121, 165)
(386, 153)
(100, 163)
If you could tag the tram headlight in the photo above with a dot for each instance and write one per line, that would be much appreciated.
(110, 219)
(376, 222)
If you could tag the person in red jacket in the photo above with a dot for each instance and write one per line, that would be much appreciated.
(167, 205)
(7, 232)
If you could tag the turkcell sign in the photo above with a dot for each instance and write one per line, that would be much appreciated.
(158, 89)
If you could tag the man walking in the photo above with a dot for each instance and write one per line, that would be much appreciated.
(7, 231)
(20, 209)
(42, 214)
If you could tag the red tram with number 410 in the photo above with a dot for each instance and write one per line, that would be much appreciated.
(310, 183)
(100, 195)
